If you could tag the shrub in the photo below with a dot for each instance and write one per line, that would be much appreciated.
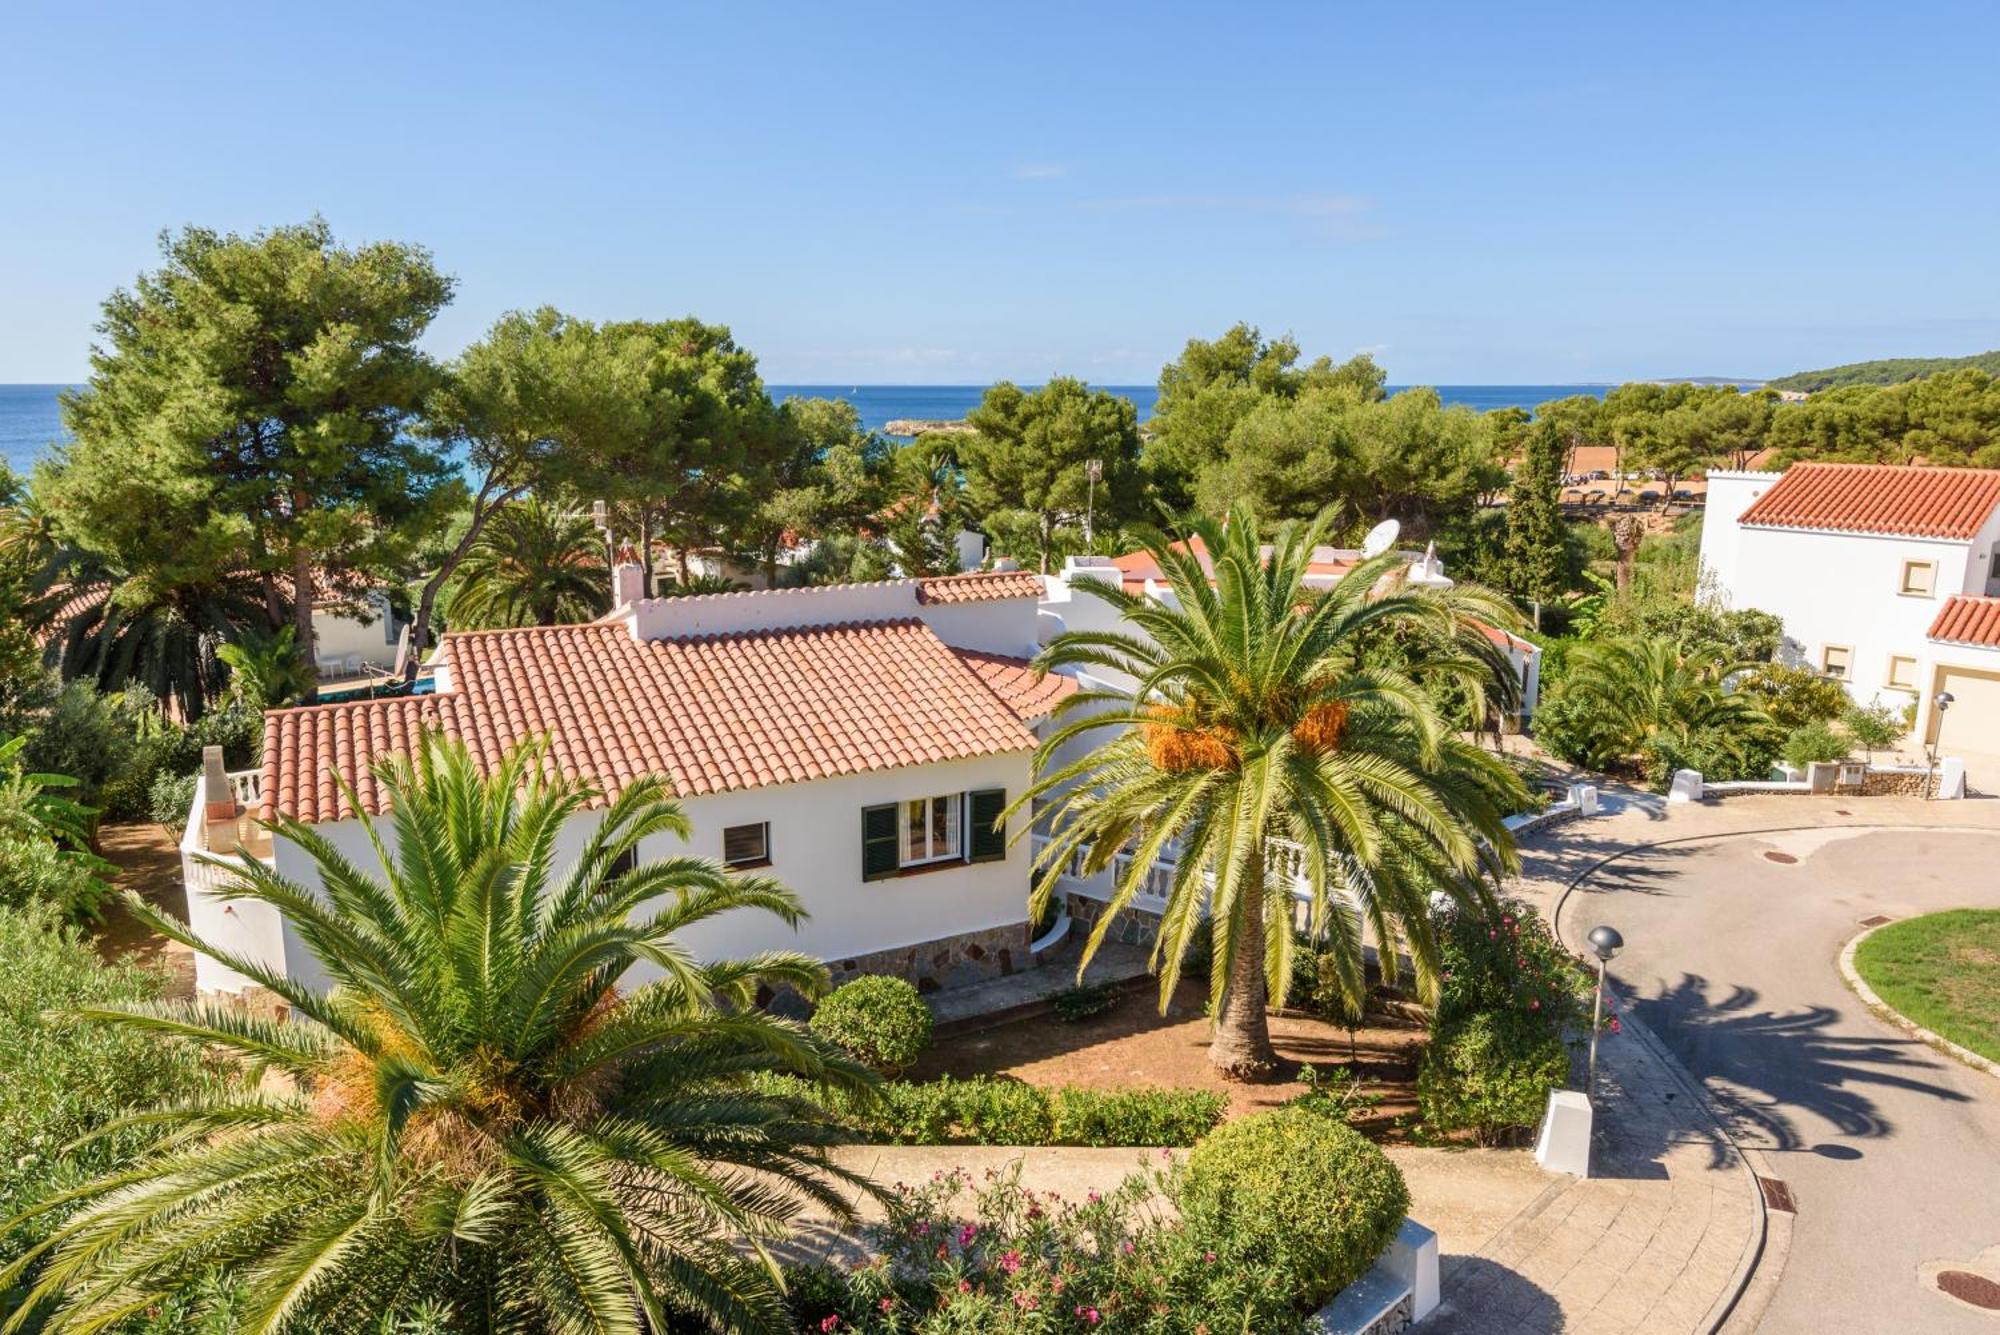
(1508, 960)
(1030, 1261)
(878, 1020)
(1112, 1117)
(1490, 1074)
(1081, 1003)
(1815, 742)
(66, 1078)
(1796, 696)
(1574, 729)
(171, 798)
(33, 870)
(1874, 726)
(1302, 1190)
(988, 1110)
(1715, 753)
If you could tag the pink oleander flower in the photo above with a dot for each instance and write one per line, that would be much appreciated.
(1090, 1315)
(887, 1304)
(965, 1286)
(1492, 934)
(830, 1324)
(1093, 1198)
(967, 1234)
(1208, 1257)
(1010, 1261)
(1026, 1301)
(1535, 1004)
(1127, 1247)
(1614, 1024)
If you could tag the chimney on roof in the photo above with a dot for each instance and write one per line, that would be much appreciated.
(1005, 563)
(628, 578)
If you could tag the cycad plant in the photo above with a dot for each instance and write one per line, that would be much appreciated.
(486, 1107)
(536, 563)
(1256, 719)
(1646, 689)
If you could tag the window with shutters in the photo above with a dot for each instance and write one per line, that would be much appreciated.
(931, 831)
(747, 845)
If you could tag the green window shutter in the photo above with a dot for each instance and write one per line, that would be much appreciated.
(878, 843)
(986, 841)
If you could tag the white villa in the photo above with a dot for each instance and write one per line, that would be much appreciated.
(1887, 577)
(856, 741)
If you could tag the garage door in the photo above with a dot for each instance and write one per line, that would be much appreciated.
(1973, 721)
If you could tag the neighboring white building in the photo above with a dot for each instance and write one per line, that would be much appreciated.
(855, 741)
(1886, 577)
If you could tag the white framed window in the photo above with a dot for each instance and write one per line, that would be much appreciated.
(1919, 578)
(1902, 672)
(747, 845)
(1836, 660)
(930, 829)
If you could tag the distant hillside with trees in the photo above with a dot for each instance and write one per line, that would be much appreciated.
(1886, 371)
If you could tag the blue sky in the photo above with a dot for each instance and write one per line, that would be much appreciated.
(951, 193)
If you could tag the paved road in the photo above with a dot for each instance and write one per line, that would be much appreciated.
(1892, 1151)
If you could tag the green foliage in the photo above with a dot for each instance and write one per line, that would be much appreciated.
(1811, 743)
(1490, 1073)
(534, 564)
(66, 1077)
(268, 669)
(171, 798)
(1260, 709)
(482, 1105)
(1076, 1004)
(45, 853)
(1715, 753)
(247, 411)
(1032, 1262)
(1950, 418)
(1507, 960)
(1796, 696)
(1536, 550)
(1884, 371)
(1028, 454)
(990, 1110)
(1304, 1190)
(1650, 700)
(1874, 726)
(1939, 971)
(1338, 1093)
(878, 1020)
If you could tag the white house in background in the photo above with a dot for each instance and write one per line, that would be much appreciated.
(1886, 576)
(1138, 574)
(855, 741)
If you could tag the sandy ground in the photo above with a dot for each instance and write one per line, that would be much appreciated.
(149, 862)
(1134, 1045)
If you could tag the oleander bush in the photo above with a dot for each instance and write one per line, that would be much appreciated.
(1304, 1191)
(1507, 960)
(1490, 1074)
(990, 1110)
(878, 1020)
(1814, 742)
(1026, 1261)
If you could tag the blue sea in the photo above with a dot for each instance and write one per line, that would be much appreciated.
(30, 421)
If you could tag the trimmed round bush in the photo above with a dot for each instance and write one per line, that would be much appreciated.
(878, 1020)
(1297, 1190)
(1490, 1073)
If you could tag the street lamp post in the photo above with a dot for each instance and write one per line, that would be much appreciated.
(1940, 702)
(1604, 943)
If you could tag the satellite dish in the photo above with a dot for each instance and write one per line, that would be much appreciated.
(1380, 538)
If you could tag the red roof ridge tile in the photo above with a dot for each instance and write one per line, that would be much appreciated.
(1911, 500)
(1968, 618)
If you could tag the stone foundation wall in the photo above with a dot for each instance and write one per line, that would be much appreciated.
(1132, 928)
(952, 961)
(1895, 783)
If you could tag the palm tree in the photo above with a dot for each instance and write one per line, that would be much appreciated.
(484, 1108)
(268, 668)
(1255, 718)
(535, 564)
(1648, 688)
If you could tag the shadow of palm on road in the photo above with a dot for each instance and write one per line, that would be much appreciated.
(1765, 1069)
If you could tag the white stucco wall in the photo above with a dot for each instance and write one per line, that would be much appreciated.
(815, 849)
(1729, 495)
(336, 635)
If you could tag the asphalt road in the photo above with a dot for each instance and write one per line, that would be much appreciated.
(1892, 1150)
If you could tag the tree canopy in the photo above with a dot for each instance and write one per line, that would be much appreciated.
(1030, 452)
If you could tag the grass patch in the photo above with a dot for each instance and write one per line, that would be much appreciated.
(1943, 972)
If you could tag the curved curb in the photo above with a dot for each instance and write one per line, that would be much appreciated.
(1890, 1015)
(1754, 1253)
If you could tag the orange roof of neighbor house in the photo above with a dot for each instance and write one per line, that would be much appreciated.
(1135, 568)
(980, 586)
(1968, 619)
(1950, 503)
(709, 714)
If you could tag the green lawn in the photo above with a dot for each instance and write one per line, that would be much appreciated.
(1942, 971)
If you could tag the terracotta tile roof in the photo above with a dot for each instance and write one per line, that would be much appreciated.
(708, 713)
(1968, 619)
(1014, 681)
(1880, 498)
(980, 586)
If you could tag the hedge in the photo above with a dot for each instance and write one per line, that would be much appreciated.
(985, 1110)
